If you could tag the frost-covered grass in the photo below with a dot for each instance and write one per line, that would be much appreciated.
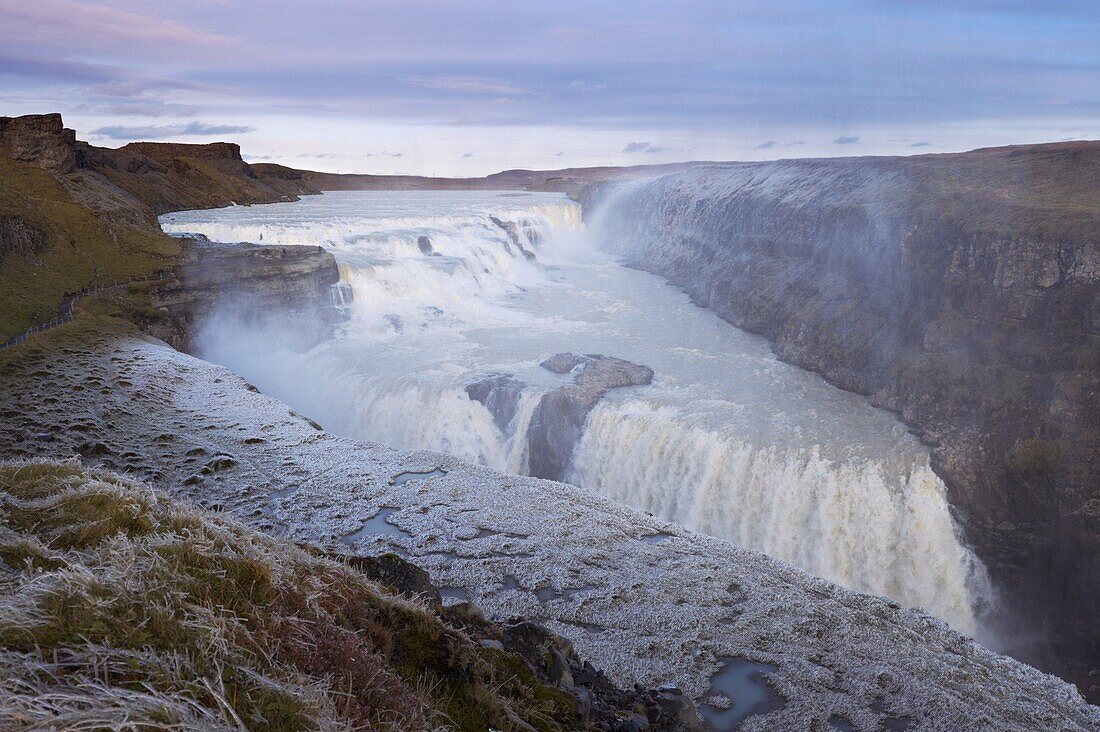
(120, 609)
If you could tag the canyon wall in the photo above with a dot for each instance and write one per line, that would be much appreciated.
(244, 281)
(961, 291)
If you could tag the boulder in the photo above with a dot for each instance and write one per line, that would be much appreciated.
(558, 420)
(500, 394)
(394, 573)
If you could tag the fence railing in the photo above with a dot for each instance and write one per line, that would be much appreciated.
(65, 309)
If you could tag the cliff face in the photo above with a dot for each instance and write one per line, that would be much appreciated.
(172, 177)
(74, 216)
(41, 139)
(962, 291)
(247, 280)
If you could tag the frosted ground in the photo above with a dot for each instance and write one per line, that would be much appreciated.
(641, 598)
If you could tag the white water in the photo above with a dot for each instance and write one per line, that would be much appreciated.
(727, 440)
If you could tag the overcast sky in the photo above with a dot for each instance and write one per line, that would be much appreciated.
(452, 87)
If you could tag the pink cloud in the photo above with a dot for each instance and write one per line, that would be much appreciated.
(467, 84)
(67, 24)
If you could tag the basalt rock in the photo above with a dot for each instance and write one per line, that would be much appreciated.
(19, 237)
(500, 394)
(553, 659)
(41, 139)
(510, 228)
(246, 281)
(399, 575)
(558, 420)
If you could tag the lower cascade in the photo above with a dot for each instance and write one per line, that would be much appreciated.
(446, 290)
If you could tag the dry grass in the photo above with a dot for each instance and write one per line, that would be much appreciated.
(122, 610)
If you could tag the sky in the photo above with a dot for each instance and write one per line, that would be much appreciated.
(469, 87)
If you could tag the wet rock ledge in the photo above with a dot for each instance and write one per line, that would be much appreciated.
(558, 420)
(244, 280)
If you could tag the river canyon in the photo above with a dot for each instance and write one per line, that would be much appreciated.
(455, 299)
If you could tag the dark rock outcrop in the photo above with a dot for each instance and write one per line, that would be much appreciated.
(558, 419)
(424, 244)
(500, 394)
(509, 228)
(18, 237)
(248, 281)
(550, 658)
(398, 575)
(554, 660)
(41, 139)
(963, 292)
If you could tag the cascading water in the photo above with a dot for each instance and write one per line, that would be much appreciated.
(727, 440)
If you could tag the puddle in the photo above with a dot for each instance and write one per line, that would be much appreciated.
(656, 538)
(891, 722)
(840, 724)
(743, 682)
(440, 553)
(484, 533)
(377, 525)
(586, 627)
(455, 594)
(410, 475)
(511, 583)
(546, 594)
(283, 492)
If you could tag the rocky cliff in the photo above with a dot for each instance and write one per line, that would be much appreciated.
(74, 216)
(962, 291)
(247, 280)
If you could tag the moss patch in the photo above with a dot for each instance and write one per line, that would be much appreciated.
(81, 246)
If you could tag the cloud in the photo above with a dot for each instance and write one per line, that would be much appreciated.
(161, 132)
(637, 147)
(467, 84)
(845, 140)
(317, 155)
(586, 86)
(67, 24)
(767, 145)
(921, 144)
(795, 143)
(467, 155)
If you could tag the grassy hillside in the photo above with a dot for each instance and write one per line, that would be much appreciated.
(55, 243)
(119, 608)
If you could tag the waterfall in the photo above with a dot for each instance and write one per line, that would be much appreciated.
(727, 440)
(881, 528)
